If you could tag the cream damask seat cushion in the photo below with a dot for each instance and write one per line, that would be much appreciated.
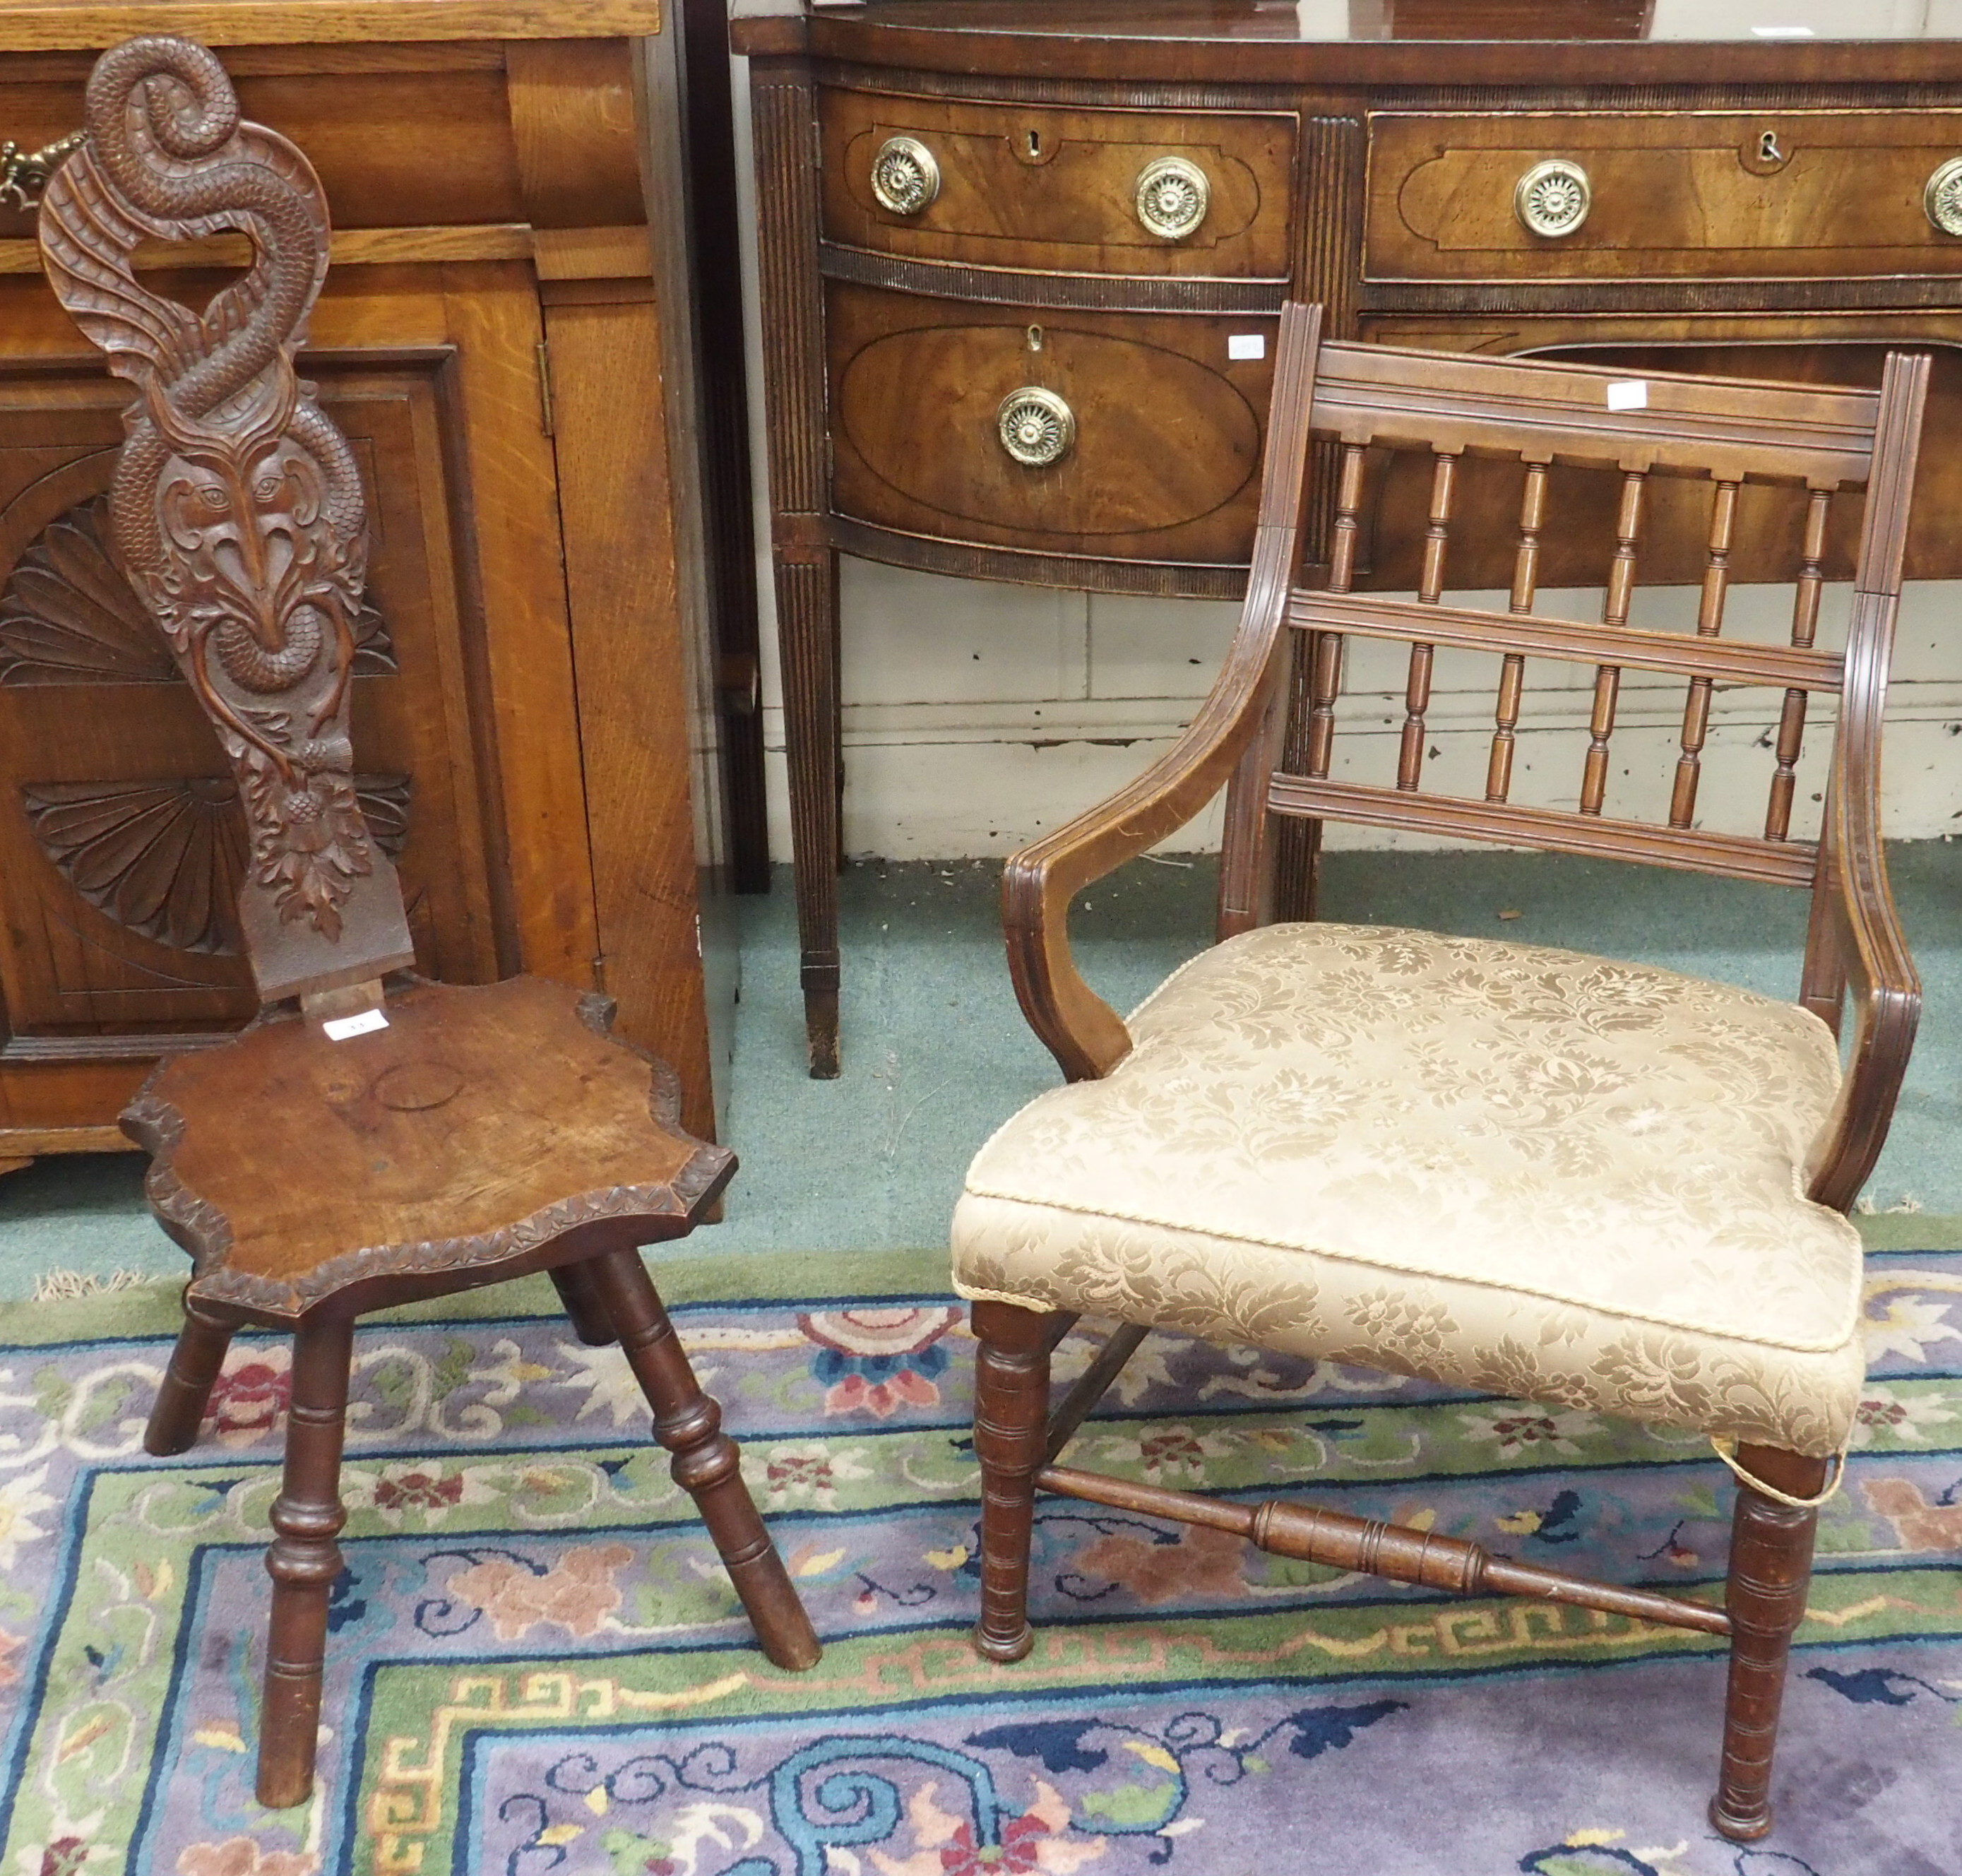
(1530, 1171)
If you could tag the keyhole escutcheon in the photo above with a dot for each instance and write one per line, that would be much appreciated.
(1767, 148)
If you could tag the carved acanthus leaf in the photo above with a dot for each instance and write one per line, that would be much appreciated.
(166, 858)
(68, 616)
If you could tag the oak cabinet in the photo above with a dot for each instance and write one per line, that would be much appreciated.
(529, 717)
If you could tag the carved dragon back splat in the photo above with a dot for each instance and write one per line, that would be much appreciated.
(237, 512)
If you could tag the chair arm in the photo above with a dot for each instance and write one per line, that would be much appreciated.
(1085, 1035)
(1870, 945)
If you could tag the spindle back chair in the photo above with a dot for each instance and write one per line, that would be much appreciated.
(1094, 1200)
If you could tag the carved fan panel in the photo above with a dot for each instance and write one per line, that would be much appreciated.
(166, 858)
(68, 616)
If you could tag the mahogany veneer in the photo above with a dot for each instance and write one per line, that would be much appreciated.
(1758, 209)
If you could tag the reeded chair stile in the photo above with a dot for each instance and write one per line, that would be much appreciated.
(372, 1137)
(1546, 1175)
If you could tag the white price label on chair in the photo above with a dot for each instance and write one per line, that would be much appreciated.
(1628, 393)
(1246, 345)
(339, 1028)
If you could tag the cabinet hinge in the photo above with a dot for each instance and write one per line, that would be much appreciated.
(544, 388)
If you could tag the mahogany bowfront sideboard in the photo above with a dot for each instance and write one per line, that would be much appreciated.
(1022, 263)
(502, 338)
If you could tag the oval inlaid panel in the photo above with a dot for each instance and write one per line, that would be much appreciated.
(1160, 439)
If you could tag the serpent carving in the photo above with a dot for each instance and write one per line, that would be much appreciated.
(237, 511)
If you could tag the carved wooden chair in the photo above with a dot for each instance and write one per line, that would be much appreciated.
(371, 1137)
(1542, 1174)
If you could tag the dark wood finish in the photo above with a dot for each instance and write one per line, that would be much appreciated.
(583, 1305)
(805, 567)
(1397, 1551)
(178, 1411)
(303, 1559)
(716, 225)
(450, 1136)
(1011, 1407)
(492, 339)
(1771, 1564)
(1091, 1386)
(236, 508)
(1043, 188)
(1676, 193)
(1443, 407)
(706, 1465)
(1373, 176)
(1167, 457)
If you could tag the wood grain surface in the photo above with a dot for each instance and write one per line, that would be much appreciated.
(88, 25)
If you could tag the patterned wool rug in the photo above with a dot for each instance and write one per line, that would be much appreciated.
(537, 1666)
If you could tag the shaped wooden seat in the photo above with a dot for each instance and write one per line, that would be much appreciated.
(1545, 1175)
(372, 1138)
(454, 1138)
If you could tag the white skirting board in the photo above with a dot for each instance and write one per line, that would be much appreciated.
(978, 715)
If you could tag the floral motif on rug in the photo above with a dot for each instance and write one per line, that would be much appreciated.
(537, 1665)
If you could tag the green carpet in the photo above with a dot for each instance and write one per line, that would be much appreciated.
(936, 1054)
(536, 1665)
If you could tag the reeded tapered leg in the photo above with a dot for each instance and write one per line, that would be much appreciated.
(303, 1560)
(806, 586)
(1010, 1411)
(706, 1465)
(580, 1296)
(1771, 1566)
(179, 1410)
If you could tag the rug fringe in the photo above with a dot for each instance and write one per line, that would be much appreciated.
(60, 1286)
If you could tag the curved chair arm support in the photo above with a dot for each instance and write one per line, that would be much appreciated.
(1866, 949)
(1084, 1035)
(1868, 944)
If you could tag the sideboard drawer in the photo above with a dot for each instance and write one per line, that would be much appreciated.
(1785, 194)
(1200, 193)
(1134, 434)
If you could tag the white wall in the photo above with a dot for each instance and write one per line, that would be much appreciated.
(976, 715)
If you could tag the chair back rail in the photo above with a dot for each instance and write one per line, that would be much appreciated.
(1728, 432)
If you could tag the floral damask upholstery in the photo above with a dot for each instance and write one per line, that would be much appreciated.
(1530, 1172)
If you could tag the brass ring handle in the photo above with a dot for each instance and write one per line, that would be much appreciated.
(1552, 198)
(25, 173)
(1172, 197)
(1942, 198)
(1036, 426)
(905, 177)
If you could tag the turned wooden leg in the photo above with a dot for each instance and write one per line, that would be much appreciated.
(580, 1296)
(303, 1560)
(689, 1424)
(179, 1409)
(1011, 1412)
(1771, 1564)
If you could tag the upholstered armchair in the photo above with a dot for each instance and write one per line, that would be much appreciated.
(1554, 1176)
